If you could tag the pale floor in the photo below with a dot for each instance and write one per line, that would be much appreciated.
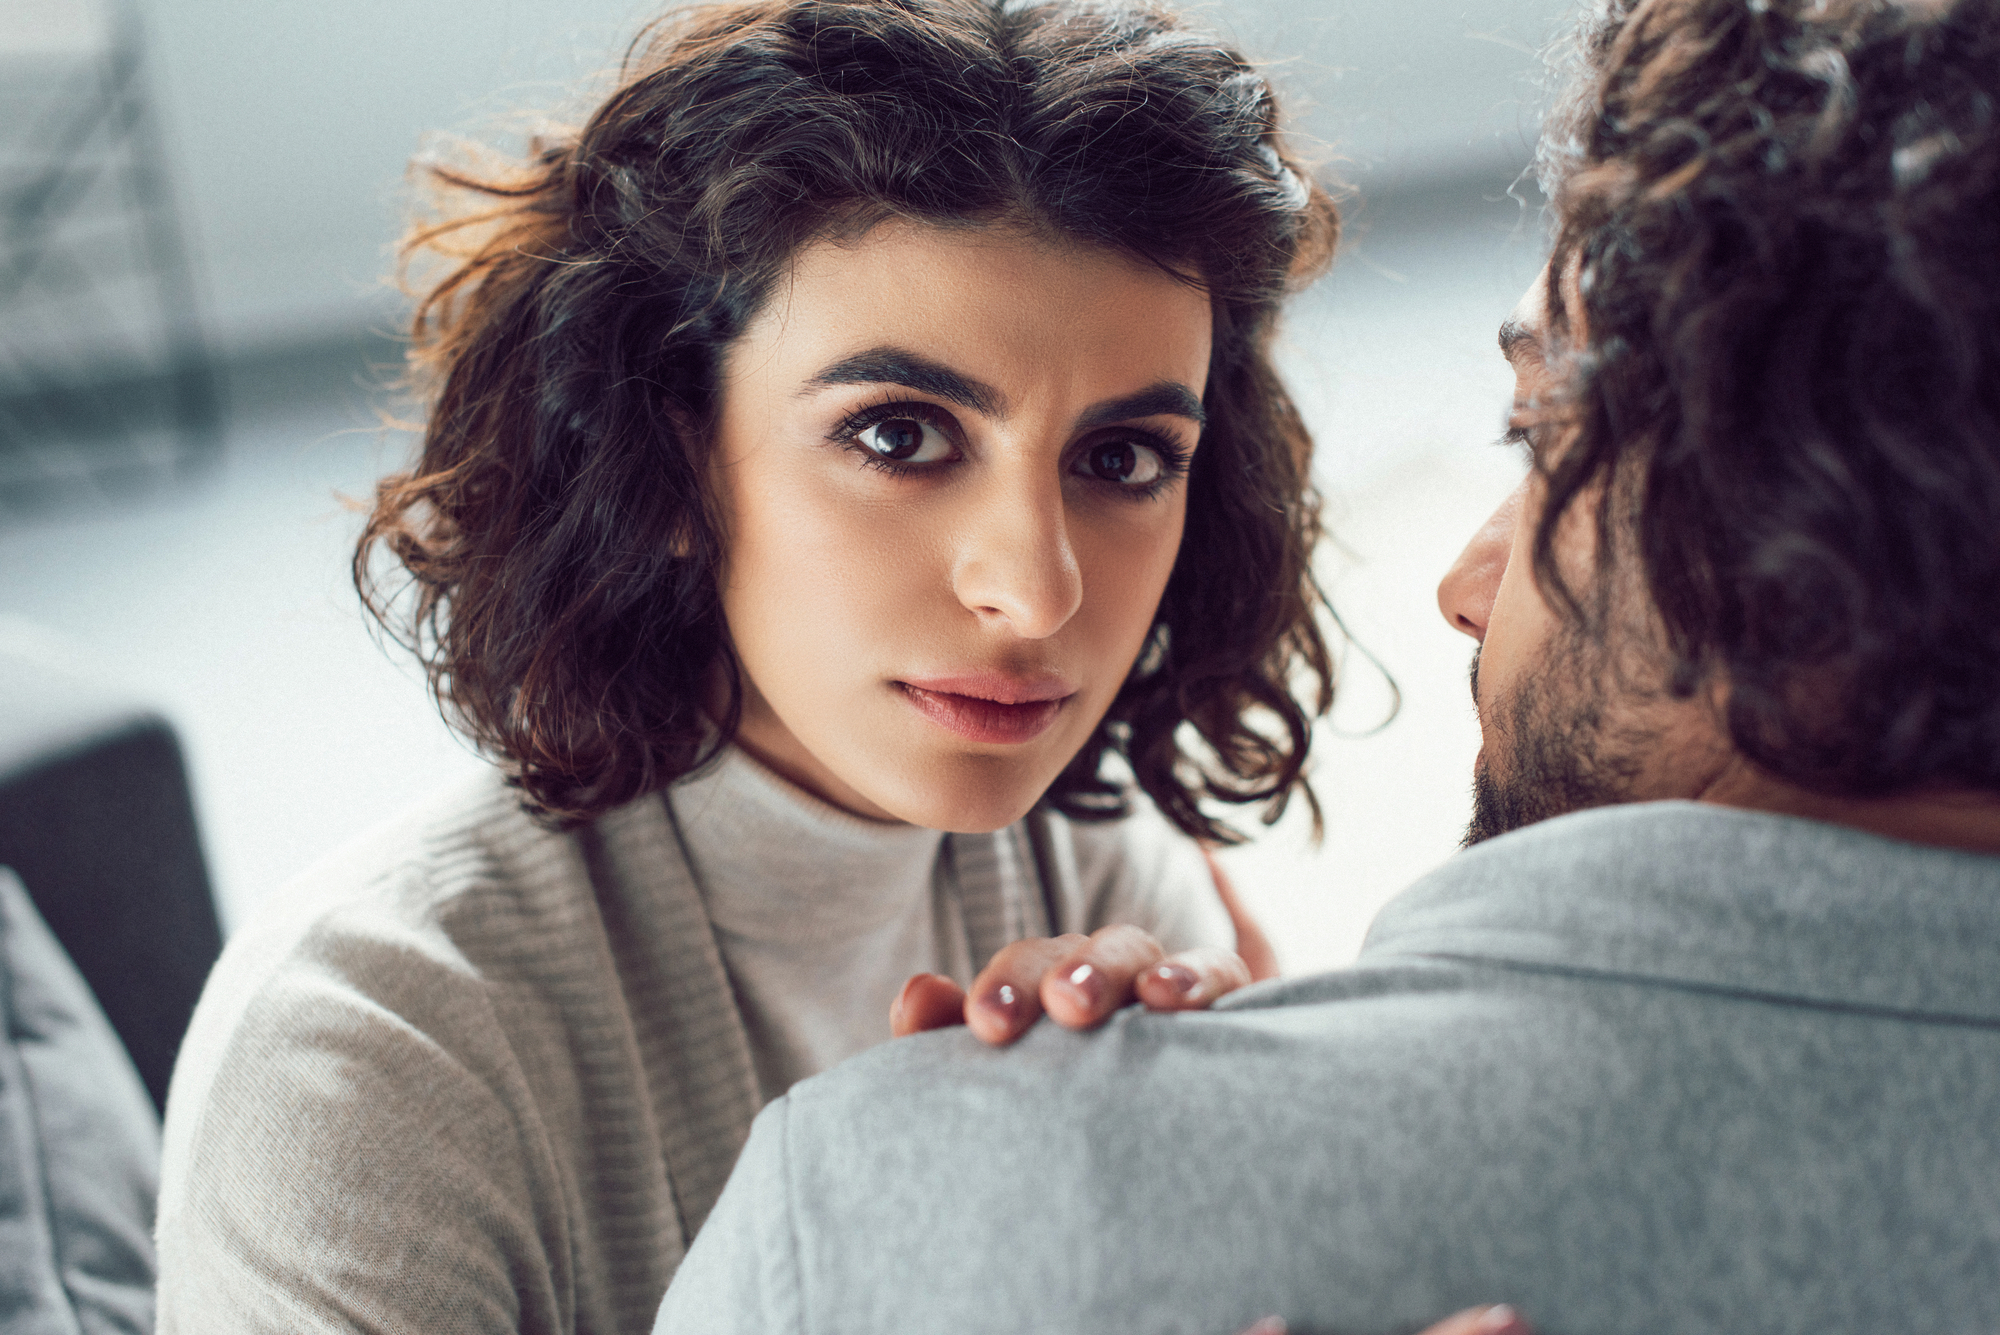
(227, 603)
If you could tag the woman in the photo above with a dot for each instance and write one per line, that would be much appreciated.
(848, 457)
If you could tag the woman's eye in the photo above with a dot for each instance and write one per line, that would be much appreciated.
(1126, 462)
(906, 440)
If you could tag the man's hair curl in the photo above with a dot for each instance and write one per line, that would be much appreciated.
(1779, 242)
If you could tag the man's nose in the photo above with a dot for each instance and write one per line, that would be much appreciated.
(1467, 591)
(1015, 562)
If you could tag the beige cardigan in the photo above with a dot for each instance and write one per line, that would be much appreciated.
(472, 1075)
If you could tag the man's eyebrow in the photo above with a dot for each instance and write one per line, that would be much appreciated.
(1164, 398)
(898, 366)
(1517, 339)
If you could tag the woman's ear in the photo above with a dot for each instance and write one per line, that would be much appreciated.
(697, 528)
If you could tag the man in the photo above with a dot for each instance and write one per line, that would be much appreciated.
(1704, 1035)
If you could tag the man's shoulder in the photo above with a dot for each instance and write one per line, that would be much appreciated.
(1479, 1108)
(1150, 1176)
(1154, 1130)
(1693, 894)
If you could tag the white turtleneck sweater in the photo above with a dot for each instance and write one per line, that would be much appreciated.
(820, 916)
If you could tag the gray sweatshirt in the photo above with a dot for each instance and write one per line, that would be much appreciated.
(1653, 1069)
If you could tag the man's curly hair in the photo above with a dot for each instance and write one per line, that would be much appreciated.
(556, 537)
(1779, 226)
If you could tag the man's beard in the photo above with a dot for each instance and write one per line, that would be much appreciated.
(1557, 752)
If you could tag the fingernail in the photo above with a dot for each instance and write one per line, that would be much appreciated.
(1084, 982)
(1501, 1320)
(1002, 1000)
(1180, 979)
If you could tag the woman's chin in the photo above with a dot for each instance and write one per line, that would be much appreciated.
(971, 813)
(965, 794)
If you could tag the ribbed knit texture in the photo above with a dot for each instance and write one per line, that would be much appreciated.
(470, 1075)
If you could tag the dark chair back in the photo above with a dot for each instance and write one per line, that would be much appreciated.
(97, 819)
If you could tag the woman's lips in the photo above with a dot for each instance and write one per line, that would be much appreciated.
(980, 718)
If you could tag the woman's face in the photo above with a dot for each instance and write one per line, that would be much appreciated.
(951, 468)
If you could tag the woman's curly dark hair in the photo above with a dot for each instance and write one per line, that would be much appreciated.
(558, 537)
(1781, 222)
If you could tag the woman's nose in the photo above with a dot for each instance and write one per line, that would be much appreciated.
(1016, 565)
(1467, 591)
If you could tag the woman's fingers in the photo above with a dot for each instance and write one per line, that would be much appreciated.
(1006, 997)
(1501, 1320)
(1077, 981)
(1251, 943)
(927, 1001)
(1098, 975)
(1192, 979)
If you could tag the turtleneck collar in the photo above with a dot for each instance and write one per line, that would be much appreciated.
(775, 862)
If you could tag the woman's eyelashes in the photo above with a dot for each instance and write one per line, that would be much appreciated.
(1140, 463)
(906, 438)
(899, 437)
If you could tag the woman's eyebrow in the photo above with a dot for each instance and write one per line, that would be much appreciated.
(1165, 398)
(899, 366)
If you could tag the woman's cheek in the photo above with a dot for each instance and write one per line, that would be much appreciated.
(1127, 560)
(838, 584)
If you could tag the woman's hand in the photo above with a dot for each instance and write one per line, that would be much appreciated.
(1077, 981)
(1251, 943)
(1501, 1320)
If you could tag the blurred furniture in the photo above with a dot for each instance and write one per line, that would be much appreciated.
(97, 820)
(79, 1148)
(106, 383)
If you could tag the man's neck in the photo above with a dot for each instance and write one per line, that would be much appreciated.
(1962, 818)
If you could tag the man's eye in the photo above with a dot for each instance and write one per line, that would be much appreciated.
(906, 440)
(1127, 462)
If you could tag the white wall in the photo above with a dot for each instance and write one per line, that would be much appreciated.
(1401, 93)
(290, 124)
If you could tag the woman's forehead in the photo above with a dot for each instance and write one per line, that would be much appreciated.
(998, 302)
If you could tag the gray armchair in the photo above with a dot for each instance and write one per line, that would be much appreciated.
(79, 1147)
(107, 931)
(97, 821)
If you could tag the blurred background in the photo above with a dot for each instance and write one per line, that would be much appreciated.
(199, 201)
